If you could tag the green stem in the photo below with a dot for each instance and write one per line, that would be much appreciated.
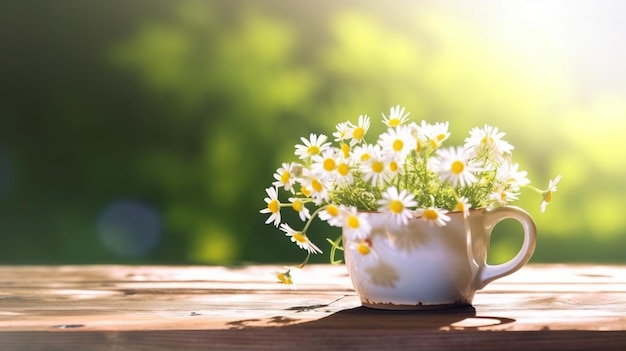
(315, 213)
(334, 247)
(306, 260)
(539, 191)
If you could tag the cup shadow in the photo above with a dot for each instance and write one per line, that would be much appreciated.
(456, 318)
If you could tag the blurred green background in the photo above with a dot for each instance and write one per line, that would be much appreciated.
(147, 131)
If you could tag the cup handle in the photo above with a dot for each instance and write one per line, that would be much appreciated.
(489, 273)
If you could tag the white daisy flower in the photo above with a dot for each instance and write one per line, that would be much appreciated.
(315, 145)
(397, 141)
(375, 169)
(355, 224)
(395, 168)
(364, 250)
(316, 185)
(396, 117)
(509, 175)
(298, 205)
(397, 205)
(502, 196)
(362, 153)
(454, 165)
(547, 195)
(331, 214)
(487, 142)
(285, 278)
(285, 176)
(273, 206)
(344, 174)
(436, 133)
(462, 205)
(434, 216)
(300, 239)
(343, 131)
(325, 164)
(362, 246)
(419, 135)
(359, 130)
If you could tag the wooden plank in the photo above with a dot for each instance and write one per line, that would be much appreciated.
(277, 339)
(160, 307)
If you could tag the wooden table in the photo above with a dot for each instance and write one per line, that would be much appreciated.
(556, 307)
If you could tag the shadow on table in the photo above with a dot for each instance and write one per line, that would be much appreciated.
(458, 318)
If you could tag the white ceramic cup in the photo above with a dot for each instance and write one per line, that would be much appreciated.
(422, 266)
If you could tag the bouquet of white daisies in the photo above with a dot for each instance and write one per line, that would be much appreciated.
(405, 172)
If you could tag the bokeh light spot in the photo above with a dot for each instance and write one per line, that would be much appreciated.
(129, 228)
(212, 244)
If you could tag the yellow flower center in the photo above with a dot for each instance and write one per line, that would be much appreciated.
(317, 186)
(306, 191)
(329, 164)
(363, 247)
(486, 140)
(297, 205)
(396, 206)
(343, 169)
(394, 122)
(353, 222)
(284, 278)
(345, 148)
(273, 206)
(431, 214)
(547, 196)
(460, 206)
(440, 137)
(332, 210)
(313, 150)
(299, 237)
(419, 146)
(358, 133)
(365, 157)
(397, 145)
(393, 166)
(284, 178)
(457, 167)
(377, 166)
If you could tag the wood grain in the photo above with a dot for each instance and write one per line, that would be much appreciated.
(219, 308)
